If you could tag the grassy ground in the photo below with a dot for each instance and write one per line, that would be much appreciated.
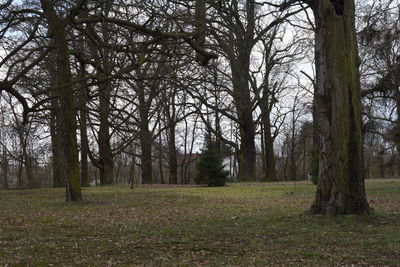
(240, 225)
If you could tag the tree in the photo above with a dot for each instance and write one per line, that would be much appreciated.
(341, 188)
(379, 40)
(209, 167)
(57, 31)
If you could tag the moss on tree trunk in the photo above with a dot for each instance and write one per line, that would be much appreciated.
(341, 187)
(57, 30)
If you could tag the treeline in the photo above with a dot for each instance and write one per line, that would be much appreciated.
(104, 92)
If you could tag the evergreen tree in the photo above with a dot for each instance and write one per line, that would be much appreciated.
(210, 169)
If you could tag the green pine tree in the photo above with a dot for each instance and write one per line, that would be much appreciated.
(210, 170)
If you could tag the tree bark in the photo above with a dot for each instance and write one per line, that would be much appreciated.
(55, 133)
(269, 150)
(57, 164)
(341, 188)
(247, 151)
(29, 170)
(4, 168)
(146, 138)
(105, 153)
(172, 156)
(241, 45)
(132, 170)
(146, 153)
(83, 131)
(170, 114)
(57, 30)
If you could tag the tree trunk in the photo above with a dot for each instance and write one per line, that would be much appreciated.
(341, 188)
(105, 154)
(57, 30)
(145, 136)
(57, 164)
(397, 99)
(20, 181)
(247, 152)
(172, 157)
(4, 168)
(146, 155)
(55, 133)
(269, 151)
(238, 47)
(83, 131)
(29, 171)
(132, 170)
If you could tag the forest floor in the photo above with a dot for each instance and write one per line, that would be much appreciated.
(240, 224)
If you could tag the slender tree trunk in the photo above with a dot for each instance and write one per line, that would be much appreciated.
(146, 140)
(55, 133)
(83, 131)
(145, 137)
(263, 156)
(132, 170)
(20, 180)
(160, 158)
(269, 148)
(4, 168)
(105, 153)
(29, 171)
(172, 157)
(57, 30)
(146, 155)
(84, 150)
(397, 98)
(57, 164)
(292, 156)
(341, 188)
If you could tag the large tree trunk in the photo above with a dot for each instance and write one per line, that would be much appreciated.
(341, 188)
(240, 52)
(57, 29)
(247, 152)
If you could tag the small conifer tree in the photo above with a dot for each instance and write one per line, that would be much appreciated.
(210, 170)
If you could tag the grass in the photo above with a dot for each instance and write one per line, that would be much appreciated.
(239, 225)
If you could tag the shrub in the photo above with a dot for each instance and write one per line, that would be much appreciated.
(209, 168)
